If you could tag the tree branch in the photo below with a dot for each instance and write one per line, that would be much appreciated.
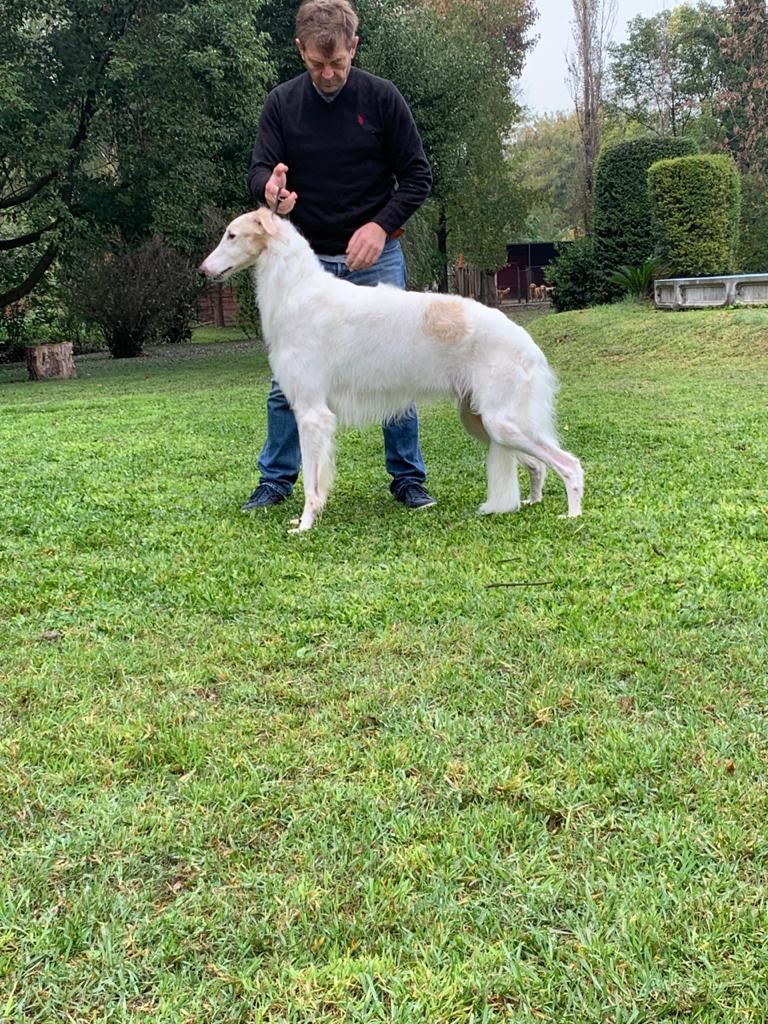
(32, 279)
(18, 198)
(7, 244)
(88, 108)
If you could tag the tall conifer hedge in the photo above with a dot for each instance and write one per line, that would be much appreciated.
(622, 207)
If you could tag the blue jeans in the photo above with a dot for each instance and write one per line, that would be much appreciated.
(280, 459)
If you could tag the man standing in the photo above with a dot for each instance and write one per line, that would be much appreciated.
(349, 145)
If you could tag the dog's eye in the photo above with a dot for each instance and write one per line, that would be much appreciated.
(231, 234)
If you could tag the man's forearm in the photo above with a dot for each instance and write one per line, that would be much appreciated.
(410, 195)
(258, 177)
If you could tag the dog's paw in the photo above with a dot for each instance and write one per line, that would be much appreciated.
(301, 525)
(490, 509)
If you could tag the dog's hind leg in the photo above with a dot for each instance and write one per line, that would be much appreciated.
(317, 426)
(472, 423)
(537, 471)
(503, 483)
(506, 431)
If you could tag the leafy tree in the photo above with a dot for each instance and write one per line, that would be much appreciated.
(502, 26)
(668, 73)
(277, 18)
(745, 98)
(134, 113)
(592, 26)
(453, 61)
(745, 118)
(546, 156)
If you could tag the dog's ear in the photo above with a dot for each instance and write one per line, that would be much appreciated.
(264, 221)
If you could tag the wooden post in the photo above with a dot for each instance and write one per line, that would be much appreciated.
(53, 361)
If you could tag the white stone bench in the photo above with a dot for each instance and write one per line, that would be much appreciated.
(706, 292)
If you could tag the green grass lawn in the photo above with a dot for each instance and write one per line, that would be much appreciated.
(215, 335)
(410, 767)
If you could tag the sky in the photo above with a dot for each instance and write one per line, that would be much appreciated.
(544, 87)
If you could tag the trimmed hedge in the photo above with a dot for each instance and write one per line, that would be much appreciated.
(695, 207)
(622, 207)
(753, 241)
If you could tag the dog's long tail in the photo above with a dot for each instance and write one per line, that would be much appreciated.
(529, 398)
(540, 411)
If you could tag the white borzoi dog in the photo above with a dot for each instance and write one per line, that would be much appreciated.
(359, 355)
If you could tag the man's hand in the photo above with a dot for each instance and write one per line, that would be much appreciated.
(277, 185)
(365, 246)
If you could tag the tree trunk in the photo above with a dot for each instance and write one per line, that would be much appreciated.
(54, 361)
(488, 292)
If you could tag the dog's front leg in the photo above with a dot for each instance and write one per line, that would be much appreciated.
(316, 437)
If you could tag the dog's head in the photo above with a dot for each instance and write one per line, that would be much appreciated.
(243, 241)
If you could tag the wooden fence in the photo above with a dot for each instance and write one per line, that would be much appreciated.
(218, 306)
(475, 284)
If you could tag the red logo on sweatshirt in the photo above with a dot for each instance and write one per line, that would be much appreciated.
(360, 120)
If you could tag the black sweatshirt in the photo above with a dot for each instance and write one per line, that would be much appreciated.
(344, 157)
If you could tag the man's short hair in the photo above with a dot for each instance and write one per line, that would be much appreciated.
(327, 24)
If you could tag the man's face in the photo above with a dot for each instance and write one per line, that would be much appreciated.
(328, 72)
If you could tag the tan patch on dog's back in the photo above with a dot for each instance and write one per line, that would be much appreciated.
(446, 320)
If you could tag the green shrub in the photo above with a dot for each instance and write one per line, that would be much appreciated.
(622, 205)
(636, 281)
(577, 280)
(180, 319)
(130, 292)
(695, 207)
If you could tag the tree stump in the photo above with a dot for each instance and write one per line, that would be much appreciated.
(53, 361)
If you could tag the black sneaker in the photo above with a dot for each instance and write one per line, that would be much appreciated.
(264, 496)
(415, 496)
